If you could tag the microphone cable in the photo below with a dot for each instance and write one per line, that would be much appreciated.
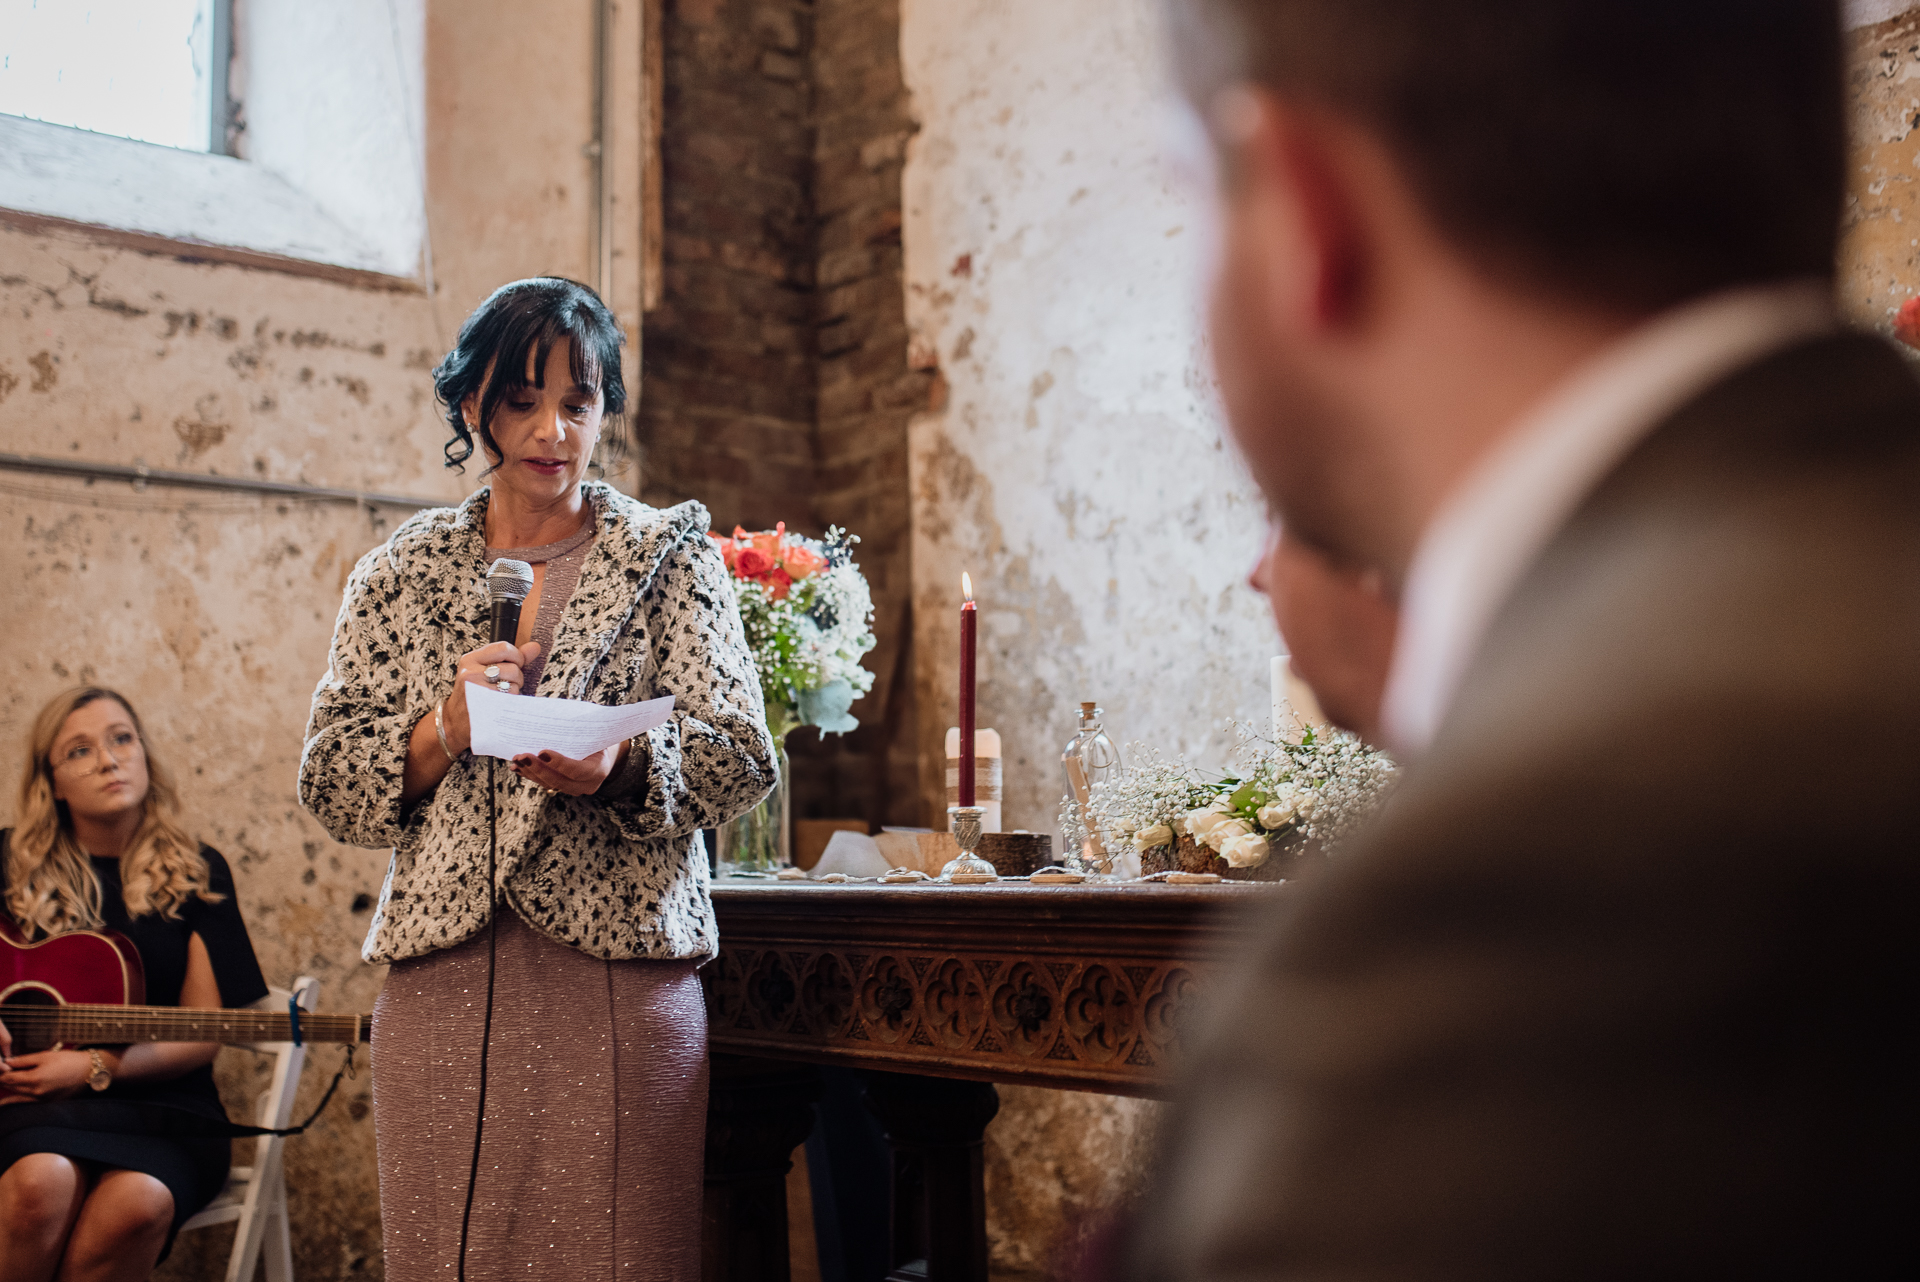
(509, 582)
(486, 1024)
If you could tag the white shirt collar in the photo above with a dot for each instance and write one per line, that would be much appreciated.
(1490, 530)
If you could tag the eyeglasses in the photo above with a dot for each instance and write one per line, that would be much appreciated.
(88, 758)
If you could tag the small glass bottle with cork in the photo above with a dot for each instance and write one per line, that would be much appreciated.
(1091, 759)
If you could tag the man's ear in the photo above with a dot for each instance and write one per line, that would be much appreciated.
(1287, 176)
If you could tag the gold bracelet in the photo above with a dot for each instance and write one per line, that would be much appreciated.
(440, 729)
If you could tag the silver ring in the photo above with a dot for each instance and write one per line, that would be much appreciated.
(504, 688)
(493, 672)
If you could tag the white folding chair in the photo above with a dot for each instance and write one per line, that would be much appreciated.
(256, 1195)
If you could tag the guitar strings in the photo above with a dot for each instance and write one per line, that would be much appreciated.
(165, 1014)
(40, 1018)
(191, 1032)
(195, 1014)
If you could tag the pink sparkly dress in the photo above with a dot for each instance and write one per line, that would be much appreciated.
(591, 1161)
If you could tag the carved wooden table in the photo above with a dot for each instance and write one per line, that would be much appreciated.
(1088, 988)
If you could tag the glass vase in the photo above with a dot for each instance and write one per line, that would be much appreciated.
(759, 843)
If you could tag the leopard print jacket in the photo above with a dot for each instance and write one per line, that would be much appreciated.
(617, 878)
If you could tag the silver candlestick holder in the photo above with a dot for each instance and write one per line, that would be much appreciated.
(969, 869)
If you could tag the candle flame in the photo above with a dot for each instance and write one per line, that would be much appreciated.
(966, 585)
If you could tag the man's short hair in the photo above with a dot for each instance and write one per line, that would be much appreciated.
(1631, 153)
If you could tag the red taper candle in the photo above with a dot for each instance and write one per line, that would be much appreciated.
(969, 620)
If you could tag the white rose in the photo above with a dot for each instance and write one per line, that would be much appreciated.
(1308, 803)
(1249, 851)
(1221, 833)
(1148, 838)
(1278, 813)
(1199, 822)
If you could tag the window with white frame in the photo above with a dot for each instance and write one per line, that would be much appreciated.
(150, 70)
(321, 170)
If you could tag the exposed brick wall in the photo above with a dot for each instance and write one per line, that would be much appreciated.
(866, 392)
(727, 399)
(776, 381)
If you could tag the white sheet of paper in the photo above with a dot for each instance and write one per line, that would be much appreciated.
(509, 725)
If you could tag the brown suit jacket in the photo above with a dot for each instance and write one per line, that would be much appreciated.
(1617, 987)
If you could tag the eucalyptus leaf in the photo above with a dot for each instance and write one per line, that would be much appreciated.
(827, 707)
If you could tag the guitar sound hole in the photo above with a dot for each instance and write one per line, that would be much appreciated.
(23, 1012)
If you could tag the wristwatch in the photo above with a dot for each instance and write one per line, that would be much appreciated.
(99, 1078)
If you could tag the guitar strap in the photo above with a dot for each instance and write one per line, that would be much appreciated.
(143, 1117)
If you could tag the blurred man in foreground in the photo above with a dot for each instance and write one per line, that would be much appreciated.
(1523, 308)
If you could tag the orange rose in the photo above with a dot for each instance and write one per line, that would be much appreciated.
(770, 557)
(802, 562)
(766, 541)
(1906, 325)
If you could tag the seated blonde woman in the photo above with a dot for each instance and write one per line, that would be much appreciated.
(89, 1188)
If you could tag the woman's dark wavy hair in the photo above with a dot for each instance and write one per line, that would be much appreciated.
(527, 318)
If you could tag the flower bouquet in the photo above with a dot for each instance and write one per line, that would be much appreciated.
(1282, 797)
(809, 622)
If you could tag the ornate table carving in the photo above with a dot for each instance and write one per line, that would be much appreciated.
(1081, 988)
(1091, 988)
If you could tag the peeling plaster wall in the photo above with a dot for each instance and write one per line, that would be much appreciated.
(1880, 239)
(1077, 470)
(213, 611)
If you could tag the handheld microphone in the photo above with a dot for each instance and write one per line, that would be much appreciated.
(508, 583)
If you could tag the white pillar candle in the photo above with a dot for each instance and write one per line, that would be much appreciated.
(1304, 705)
(988, 787)
(1282, 714)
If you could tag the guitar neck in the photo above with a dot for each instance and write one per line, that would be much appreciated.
(112, 1025)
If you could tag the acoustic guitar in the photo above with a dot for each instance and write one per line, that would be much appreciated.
(87, 988)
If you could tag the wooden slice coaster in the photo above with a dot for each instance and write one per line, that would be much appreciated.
(1015, 854)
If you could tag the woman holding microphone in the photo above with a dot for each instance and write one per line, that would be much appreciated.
(587, 1161)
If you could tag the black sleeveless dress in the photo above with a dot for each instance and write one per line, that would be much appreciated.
(194, 1169)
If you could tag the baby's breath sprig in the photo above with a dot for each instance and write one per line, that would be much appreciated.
(1278, 795)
